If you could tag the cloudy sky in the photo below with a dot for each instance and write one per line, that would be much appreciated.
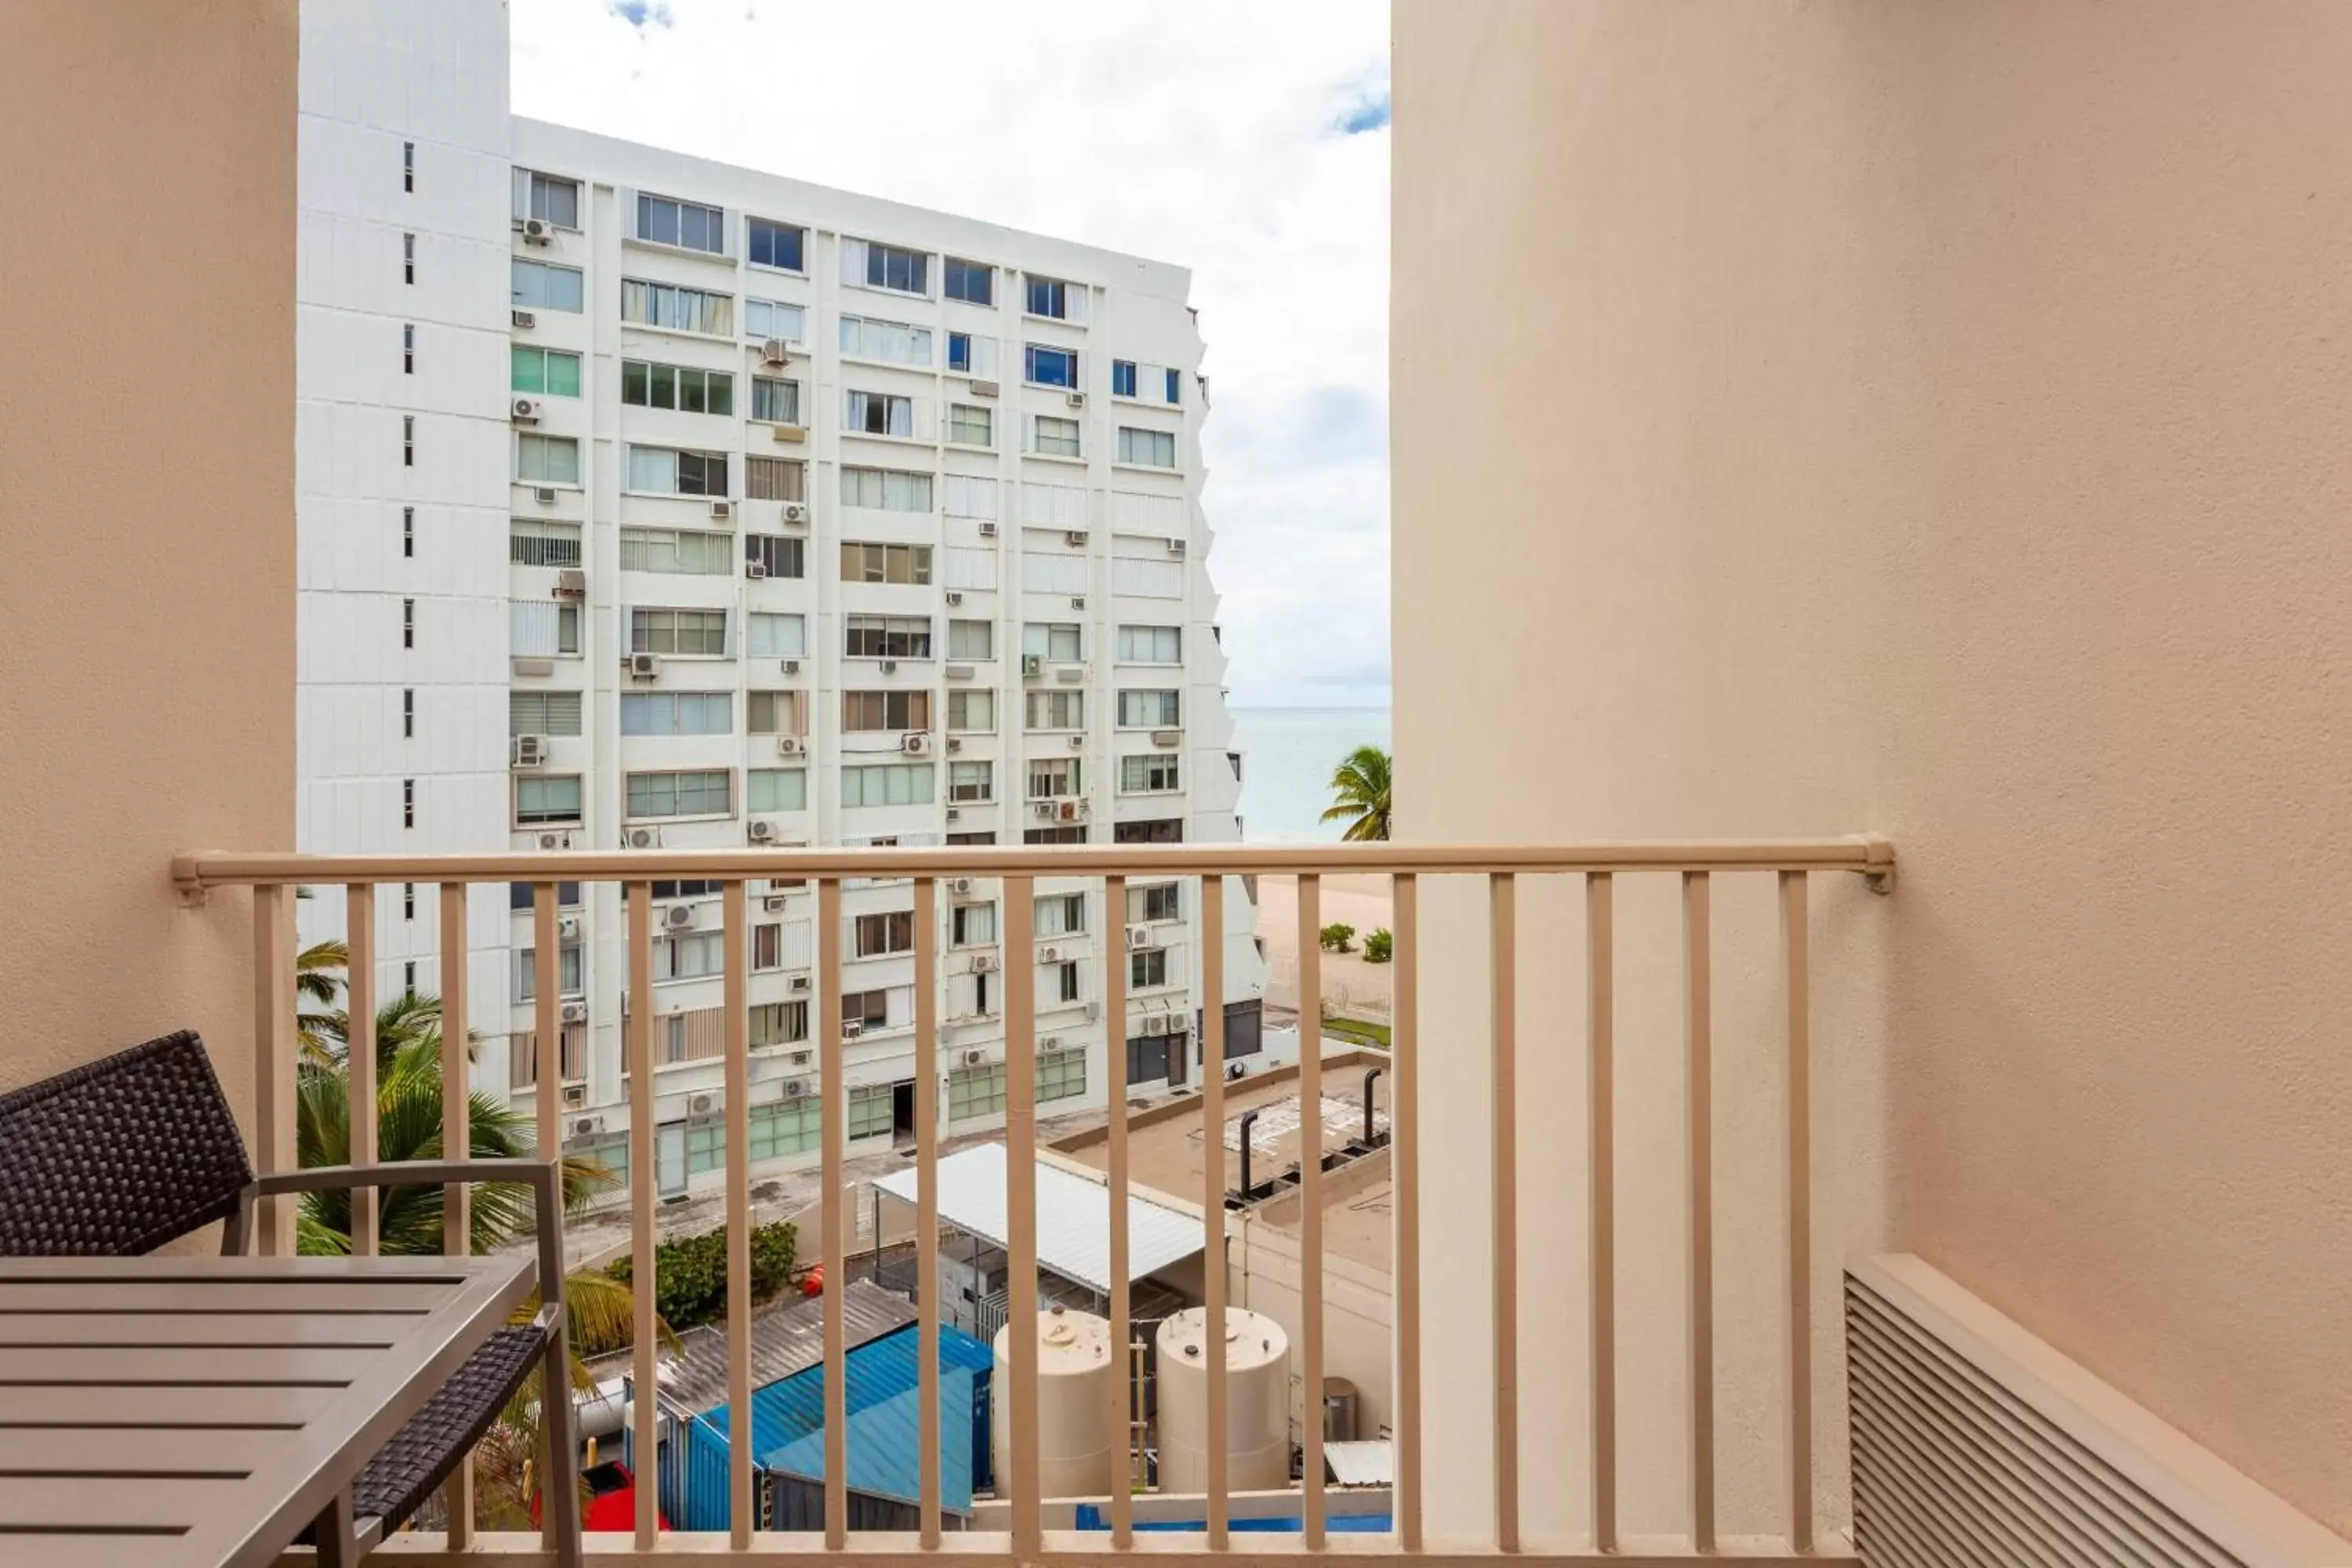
(1247, 141)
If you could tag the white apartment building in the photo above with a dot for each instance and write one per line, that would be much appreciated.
(646, 501)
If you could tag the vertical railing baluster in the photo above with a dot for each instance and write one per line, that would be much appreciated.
(1600, 1092)
(1503, 924)
(547, 988)
(833, 1129)
(274, 1068)
(1114, 1009)
(456, 1143)
(1795, 942)
(645, 1428)
(1698, 1049)
(359, 1088)
(1212, 1197)
(1404, 1170)
(927, 1209)
(735, 965)
(1021, 1202)
(1310, 1206)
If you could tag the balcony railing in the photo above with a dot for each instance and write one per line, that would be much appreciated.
(1789, 864)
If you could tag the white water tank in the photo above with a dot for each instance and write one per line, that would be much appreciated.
(1075, 1436)
(1258, 1403)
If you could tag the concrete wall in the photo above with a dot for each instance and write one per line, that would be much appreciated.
(147, 503)
(1925, 418)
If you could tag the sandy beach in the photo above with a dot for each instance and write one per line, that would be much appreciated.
(1351, 985)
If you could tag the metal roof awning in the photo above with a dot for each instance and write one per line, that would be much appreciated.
(1366, 1462)
(1072, 1216)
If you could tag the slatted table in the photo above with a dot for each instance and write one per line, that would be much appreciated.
(200, 1412)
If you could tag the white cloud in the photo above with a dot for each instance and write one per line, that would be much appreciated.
(1244, 141)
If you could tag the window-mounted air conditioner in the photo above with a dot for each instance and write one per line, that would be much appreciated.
(852, 1028)
(571, 582)
(1078, 742)
(573, 1013)
(788, 433)
(954, 744)
(796, 511)
(792, 666)
(1033, 664)
(543, 494)
(1175, 547)
(775, 350)
(722, 508)
(1166, 738)
(774, 903)
(790, 745)
(575, 1095)
(983, 389)
(798, 985)
(955, 814)
(555, 841)
(525, 410)
(754, 569)
(761, 830)
(1076, 538)
(988, 531)
(1077, 602)
(678, 917)
(954, 598)
(524, 320)
(642, 838)
(1076, 400)
(889, 667)
(644, 666)
(530, 751)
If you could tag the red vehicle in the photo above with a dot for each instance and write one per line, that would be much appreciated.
(612, 1502)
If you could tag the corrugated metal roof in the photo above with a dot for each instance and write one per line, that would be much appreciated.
(1072, 1216)
(785, 1340)
(1369, 1463)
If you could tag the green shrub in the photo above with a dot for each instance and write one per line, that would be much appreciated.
(690, 1272)
(1339, 937)
(1381, 946)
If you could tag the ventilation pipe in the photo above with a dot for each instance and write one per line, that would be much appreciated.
(1370, 1074)
(1249, 1119)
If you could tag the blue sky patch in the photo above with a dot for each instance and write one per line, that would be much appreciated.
(1371, 114)
(642, 14)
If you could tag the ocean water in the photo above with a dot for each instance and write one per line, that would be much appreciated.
(1287, 755)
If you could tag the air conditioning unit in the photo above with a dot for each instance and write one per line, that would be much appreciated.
(644, 666)
(534, 666)
(889, 667)
(761, 830)
(790, 745)
(754, 569)
(1077, 602)
(555, 841)
(1077, 742)
(801, 1058)
(916, 745)
(537, 231)
(1091, 1011)
(524, 320)
(984, 963)
(586, 1126)
(1049, 955)
(573, 1013)
(954, 597)
(983, 389)
(1070, 673)
(798, 985)
(1168, 737)
(955, 813)
(788, 433)
(1175, 547)
(954, 744)
(988, 531)
(852, 1028)
(792, 666)
(774, 903)
(642, 838)
(796, 511)
(1076, 400)
(1157, 1024)
(1032, 665)
(793, 1088)
(1045, 809)
(975, 1057)
(1140, 937)
(775, 350)
(1076, 538)
(530, 751)
(568, 928)
(959, 885)
(722, 508)
(575, 1095)
(526, 411)
(543, 494)
(1050, 1046)
(1070, 810)
(958, 671)
(701, 1104)
(571, 582)
(678, 917)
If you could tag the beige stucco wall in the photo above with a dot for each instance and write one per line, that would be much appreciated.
(1931, 418)
(147, 511)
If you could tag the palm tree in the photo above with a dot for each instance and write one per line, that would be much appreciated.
(1360, 786)
(318, 977)
(407, 1020)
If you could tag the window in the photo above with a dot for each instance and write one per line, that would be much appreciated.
(1150, 645)
(1058, 642)
(778, 636)
(548, 371)
(878, 414)
(1055, 778)
(539, 801)
(890, 784)
(408, 803)
(1057, 710)
(869, 1110)
(1150, 710)
(408, 533)
(408, 259)
(974, 282)
(780, 1024)
(408, 348)
(766, 319)
(545, 198)
(974, 1093)
(542, 545)
(660, 470)
(677, 712)
(1054, 437)
(1063, 1075)
(777, 403)
(1149, 775)
(1175, 386)
(521, 896)
(689, 956)
(879, 935)
(701, 793)
(544, 286)
(408, 913)
(1052, 297)
(546, 459)
(971, 639)
(970, 356)
(888, 636)
(1122, 378)
(676, 309)
(542, 713)
(408, 166)
(1162, 830)
(1061, 914)
(774, 479)
(408, 623)
(771, 712)
(971, 712)
(408, 440)
(775, 789)
(1076, 834)
(893, 341)
(682, 387)
(971, 427)
(885, 266)
(971, 925)
(774, 244)
(884, 562)
(572, 972)
(885, 490)
(1050, 367)
(1147, 968)
(867, 711)
(669, 551)
(693, 633)
(537, 629)
(688, 888)
(777, 554)
(1155, 447)
(1160, 901)
(973, 781)
(868, 1009)
(683, 224)
(984, 836)
(1148, 1056)
(409, 713)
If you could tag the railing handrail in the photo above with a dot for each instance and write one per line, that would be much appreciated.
(1869, 855)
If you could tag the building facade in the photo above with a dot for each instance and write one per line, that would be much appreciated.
(649, 502)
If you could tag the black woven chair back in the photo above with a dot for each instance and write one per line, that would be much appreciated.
(120, 1155)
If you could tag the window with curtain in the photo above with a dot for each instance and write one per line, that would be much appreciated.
(880, 934)
(676, 309)
(689, 956)
(968, 495)
(864, 562)
(971, 925)
(873, 712)
(1058, 642)
(971, 712)
(537, 630)
(548, 198)
(780, 1024)
(771, 712)
(896, 343)
(542, 712)
(664, 470)
(687, 224)
(779, 555)
(550, 372)
(886, 637)
(698, 792)
(1150, 710)
(778, 403)
(1053, 506)
(539, 801)
(1056, 778)
(1058, 710)
(776, 478)
(571, 975)
(1148, 774)
(677, 552)
(692, 633)
(971, 639)
(1061, 914)
(971, 354)
(1044, 366)
(885, 490)
(677, 712)
(775, 244)
(1150, 645)
(546, 459)
(775, 789)
(878, 414)
(766, 319)
(890, 783)
(778, 635)
(971, 782)
(1154, 448)
(544, 286)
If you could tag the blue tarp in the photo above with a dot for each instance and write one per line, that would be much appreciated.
(1091, 1517)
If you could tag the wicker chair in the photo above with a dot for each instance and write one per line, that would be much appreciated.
(120, 1155)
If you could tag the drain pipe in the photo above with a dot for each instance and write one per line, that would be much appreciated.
(1370, 1074)
(1249, 1119)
